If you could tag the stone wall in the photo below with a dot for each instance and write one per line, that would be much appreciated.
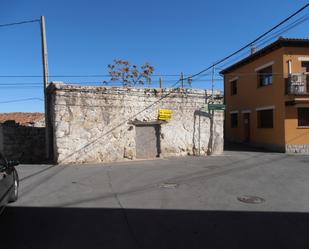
(1, 139)
(98, 124)
(297, 148)
(16, 139)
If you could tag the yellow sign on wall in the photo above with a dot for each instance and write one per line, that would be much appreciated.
(165, 114)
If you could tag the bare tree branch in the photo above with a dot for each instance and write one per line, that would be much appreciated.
(129, 74)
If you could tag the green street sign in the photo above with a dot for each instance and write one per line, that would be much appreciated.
(216, 107)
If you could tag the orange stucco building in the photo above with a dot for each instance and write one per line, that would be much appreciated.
(267, 97)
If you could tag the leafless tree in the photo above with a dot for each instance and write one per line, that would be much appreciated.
(129, 74)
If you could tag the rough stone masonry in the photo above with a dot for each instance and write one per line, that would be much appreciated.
(26, 143)
(106, 124)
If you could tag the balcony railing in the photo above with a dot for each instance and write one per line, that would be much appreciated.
(298, 84)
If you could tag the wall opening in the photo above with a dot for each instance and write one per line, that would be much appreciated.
(147, 140)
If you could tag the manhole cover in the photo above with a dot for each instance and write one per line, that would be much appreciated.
(168, 185)
(250, 199)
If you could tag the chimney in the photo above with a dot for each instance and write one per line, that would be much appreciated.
(253, 49)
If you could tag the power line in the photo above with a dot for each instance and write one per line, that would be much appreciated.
(19, 23)
(20, 100)
(252, 42)
(81, 76)
(266, 40)
(297, 22)
(92, 82)
(285, 29)
(31, 99)
(25, 99)
(20, 83)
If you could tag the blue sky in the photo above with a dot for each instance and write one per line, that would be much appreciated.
(85, 35)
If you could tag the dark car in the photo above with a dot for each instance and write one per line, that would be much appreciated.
(9, 181)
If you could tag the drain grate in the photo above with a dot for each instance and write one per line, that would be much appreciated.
(251, 199)
(168, 185)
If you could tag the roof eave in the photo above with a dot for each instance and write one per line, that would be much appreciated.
(283, 42)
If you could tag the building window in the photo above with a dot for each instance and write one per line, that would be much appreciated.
(303, 116)
(234, 87)
(265, 119)
(234, 120)
(265, 76)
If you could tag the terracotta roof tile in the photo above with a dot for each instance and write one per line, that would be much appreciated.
(23, 118)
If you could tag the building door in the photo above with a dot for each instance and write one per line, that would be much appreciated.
(147, 141)
(247, 126)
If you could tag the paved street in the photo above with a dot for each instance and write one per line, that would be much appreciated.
(191, 202)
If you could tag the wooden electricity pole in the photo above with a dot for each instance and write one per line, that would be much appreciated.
(160, 82)
(211, 116)
(212, 83)
(45, 83)
(181, 78)
(44, 51)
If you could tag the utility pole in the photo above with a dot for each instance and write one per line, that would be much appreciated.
(160, 82)
(212, 83)
(211, 116)
(44, 51)
(181, 78)
(45, 83)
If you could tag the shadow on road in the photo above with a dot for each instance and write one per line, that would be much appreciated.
(37, 228)
(245, 147)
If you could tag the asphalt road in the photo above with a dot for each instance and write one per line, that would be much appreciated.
(191, 202)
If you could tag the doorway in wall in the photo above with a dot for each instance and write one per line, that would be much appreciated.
(147, 141)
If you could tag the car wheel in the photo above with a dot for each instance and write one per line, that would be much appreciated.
(14, 194)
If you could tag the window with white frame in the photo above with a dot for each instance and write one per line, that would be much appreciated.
(265, 76)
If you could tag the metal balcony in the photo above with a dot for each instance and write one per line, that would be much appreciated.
(298, 84)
